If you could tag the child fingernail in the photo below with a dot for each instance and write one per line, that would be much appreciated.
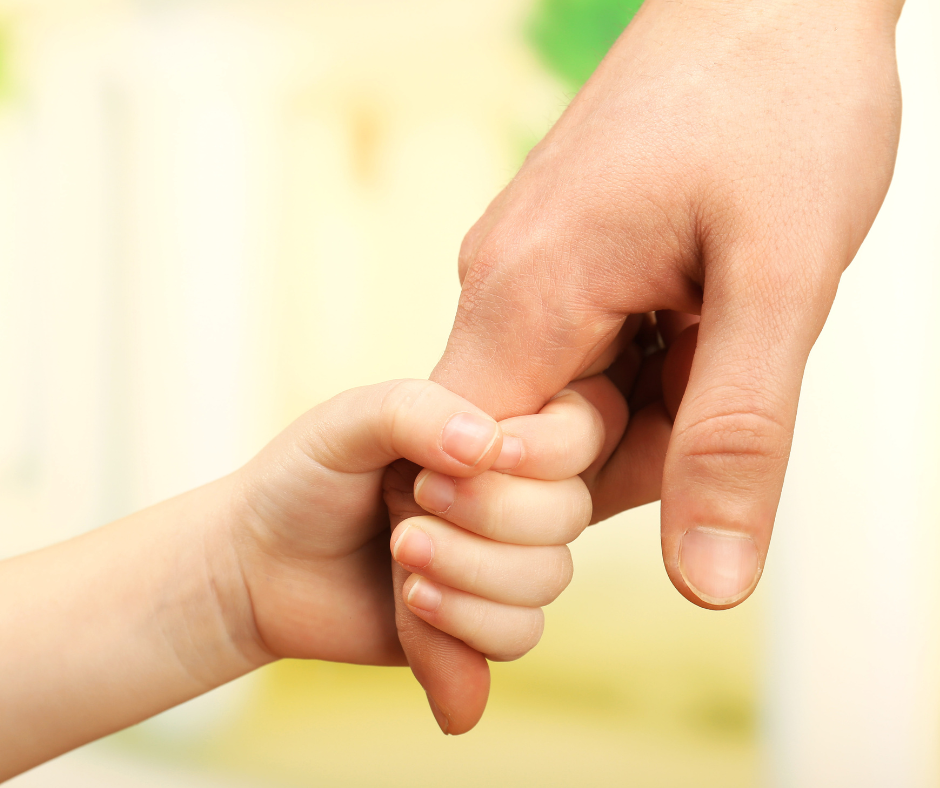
(424, 595)
(509, 455)
(468, 437)
(720, 567)
(436, 492)
(413, 548)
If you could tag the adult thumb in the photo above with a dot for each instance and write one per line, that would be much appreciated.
(731, 442)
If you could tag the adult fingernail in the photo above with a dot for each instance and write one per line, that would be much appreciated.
(509, 455)
(441, 718)
(720, 567)
(424, 595)
(435, 492)
(468, 437)
(413, 548)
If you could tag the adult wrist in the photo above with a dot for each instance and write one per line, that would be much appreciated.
(875, 14)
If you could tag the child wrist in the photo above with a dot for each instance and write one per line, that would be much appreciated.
(237, 648)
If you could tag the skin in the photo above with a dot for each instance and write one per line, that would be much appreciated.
(289, 557)
(721, 167)
(725, 161)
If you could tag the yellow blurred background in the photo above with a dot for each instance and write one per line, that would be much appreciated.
(215, 214)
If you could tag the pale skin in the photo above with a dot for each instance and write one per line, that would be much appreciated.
(721, 168)
(289, 557)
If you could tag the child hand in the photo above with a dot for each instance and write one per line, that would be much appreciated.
(287, 557)
(311, 532)
(472, 584)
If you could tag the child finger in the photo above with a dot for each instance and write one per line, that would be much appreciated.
(567, 435)
(507, 573)
(508, 508)
(367, 428)
(455, 676)
(500, 632)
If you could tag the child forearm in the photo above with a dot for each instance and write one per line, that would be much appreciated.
(112, 627)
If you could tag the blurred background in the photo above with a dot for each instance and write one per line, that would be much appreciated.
(214, 215)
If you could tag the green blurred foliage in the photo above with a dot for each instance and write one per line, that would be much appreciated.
(572, 36)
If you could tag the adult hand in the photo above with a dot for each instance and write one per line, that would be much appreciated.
(727, 159)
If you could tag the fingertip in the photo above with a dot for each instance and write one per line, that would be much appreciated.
(442, 721)
(471, 439)
(529, 642)
(462, 715)
(728, 453)
(510, 455)
(411, 546)
(719, 567)
(435, 492)
(421, 595)
(566, 435)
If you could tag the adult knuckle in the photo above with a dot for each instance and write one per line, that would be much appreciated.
(469, 248)
(745, 439)
(514, 270)
(481, 268)
(524, 282)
